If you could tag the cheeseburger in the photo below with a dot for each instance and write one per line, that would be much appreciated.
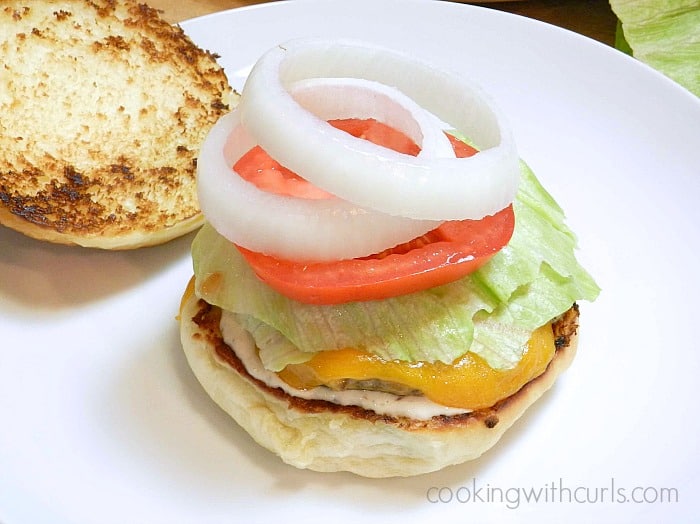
(382, 285)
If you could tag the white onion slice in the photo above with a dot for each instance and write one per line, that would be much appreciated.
(364, 173)
(305, 229)
(337, 98)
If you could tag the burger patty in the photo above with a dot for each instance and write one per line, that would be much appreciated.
(208, 319)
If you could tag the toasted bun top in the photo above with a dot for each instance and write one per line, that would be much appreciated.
(104, 106)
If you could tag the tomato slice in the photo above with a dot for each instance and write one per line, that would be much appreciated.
(259, 168)
(443, 255)
(378, 133)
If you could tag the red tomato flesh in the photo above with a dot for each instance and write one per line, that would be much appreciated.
(443, 255)
(259, 168)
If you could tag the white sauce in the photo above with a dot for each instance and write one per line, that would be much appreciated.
(415, 407)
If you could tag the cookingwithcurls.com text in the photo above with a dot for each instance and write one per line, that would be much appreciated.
(555, 492)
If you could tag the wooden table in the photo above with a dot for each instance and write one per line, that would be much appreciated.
(592, 18)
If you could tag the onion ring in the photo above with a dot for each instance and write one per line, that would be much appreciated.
(364, 173)
(296, 228)
(341, 98)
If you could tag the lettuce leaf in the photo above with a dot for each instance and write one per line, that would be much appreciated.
(664, 34)
(491, 312)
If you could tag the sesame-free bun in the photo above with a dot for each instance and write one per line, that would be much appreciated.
(104, 106)
(322, 436)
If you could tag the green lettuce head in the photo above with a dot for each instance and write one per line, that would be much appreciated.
(664, 34)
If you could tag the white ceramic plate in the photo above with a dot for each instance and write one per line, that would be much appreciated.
(101, 420)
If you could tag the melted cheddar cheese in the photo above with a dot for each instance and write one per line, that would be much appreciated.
(466, 383)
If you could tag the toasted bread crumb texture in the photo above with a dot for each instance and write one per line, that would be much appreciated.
(104, 106)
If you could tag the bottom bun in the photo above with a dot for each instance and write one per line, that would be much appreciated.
(322, 436)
